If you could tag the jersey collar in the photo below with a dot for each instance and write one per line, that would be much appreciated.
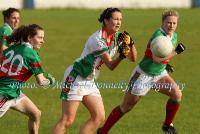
(162, 30)
(27, 44)
(104, 36)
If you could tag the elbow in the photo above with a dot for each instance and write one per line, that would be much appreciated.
(111, 68)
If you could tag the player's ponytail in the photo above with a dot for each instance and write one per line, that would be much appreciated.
(22, 33)
(17, 35)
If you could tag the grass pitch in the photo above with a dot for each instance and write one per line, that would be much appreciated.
(66, 32)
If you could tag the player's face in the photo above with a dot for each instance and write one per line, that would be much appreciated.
(114, 23)
(37, 40)
(169, 24)
(14, 20)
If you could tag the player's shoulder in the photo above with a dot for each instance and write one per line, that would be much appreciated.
(175, 35)
(96, 36)
(26, 50)
(5, 29)
(95, 42)
(29, 50)
(158, 32)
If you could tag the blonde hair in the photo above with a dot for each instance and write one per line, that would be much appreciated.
(169, 12)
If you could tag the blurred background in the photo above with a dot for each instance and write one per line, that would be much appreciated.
(99, 3)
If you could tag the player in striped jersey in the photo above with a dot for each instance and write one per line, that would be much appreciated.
(20, 62)
(150, 73)
(11, 18)
(79, 85)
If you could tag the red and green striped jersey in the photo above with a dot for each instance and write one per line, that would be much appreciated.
(5, 31)
(20, 62)
(147, 64)
(89, 63)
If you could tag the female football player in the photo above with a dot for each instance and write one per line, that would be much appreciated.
(148, 74)
(20, 62)
(11, 18)
(79, 78)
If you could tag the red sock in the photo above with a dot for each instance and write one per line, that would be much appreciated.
(171, 109)
(114, 116)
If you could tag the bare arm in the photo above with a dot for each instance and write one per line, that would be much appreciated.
(132, 54)
(110, 63)
(3, 47)
(41, 80)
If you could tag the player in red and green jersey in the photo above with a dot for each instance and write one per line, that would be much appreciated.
(151, 73)
(79, 78)
(11, 18)
(20, 62)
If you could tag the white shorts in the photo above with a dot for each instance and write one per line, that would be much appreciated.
(140, 83)
(81, 87)
(6, 104)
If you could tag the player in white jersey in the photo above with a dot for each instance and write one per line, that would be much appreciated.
(79, 85)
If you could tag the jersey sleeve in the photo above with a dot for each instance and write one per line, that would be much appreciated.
(35, 65)
(96, 45)
(3, 40)
(5, 32)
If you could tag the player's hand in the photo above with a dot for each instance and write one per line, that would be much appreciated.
(180, 48)
(169, 68)
(51, 79)
(123, 51)
(125, 37)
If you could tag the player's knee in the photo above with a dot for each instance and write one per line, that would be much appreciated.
(98, 118)
(126, 108)
(67, 122)
(177, 95)
(35, 115)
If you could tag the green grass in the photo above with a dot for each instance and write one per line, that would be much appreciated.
(67, 30)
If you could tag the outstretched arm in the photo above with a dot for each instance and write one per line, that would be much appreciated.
(45, 81)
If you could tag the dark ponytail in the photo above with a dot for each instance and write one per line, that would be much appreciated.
(22, 33)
